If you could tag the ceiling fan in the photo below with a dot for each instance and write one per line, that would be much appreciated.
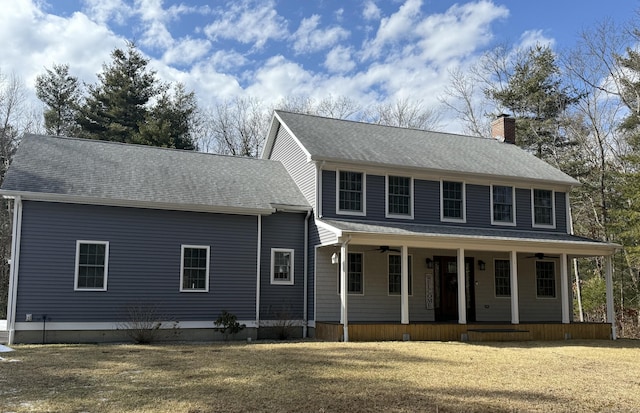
(385, 248)
(541, 256)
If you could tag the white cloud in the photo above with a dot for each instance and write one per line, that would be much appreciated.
(394, 28)
(186, 51)
(248, 21)
(532, 38)
(371, 11)
(339, 60)
(308, 38)
(103, 11)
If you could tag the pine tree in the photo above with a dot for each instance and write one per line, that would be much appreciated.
(60, 92)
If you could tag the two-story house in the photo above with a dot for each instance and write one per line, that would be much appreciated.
(344, 230)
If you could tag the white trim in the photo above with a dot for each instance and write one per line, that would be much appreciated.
(564, 288)
(128, 203)
(462, 289)
(291, 279)
(305, 275)
(105, 274)
(515, 298)
(319, 189)
(206, 281)
(410, 275)
(513, 207)
(464, 203)
(555, 280)
(553, 209)
(12, 297)
(404, 277)
(117, 325)
(611, 313)
(258, 269)
(339, 211)
(411, 198)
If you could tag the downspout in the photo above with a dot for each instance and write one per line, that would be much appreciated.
(258, 269)
(13, 271)
(306, 275)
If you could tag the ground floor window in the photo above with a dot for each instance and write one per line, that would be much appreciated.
(502, 272)
(194, 271)
(92, 258)
(545, 279)
(395, 275)
(355, 274)
(281, 266)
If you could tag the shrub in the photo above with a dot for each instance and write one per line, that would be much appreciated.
(228, 324)
(143, 323)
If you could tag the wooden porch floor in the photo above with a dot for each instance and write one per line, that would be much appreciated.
(464, 332)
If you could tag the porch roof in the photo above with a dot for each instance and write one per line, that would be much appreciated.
(469, 237)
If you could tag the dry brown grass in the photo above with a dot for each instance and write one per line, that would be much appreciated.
(323, 377)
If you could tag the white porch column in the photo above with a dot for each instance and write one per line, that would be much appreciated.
(344, 313)
(564, 288)
(404, 286)
(462, 293)
(611, 315)
(515, 304)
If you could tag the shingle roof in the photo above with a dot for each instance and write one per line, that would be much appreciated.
(142, 174)
(393, 228)
(342, 140)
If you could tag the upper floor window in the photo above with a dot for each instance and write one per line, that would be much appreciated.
(502, 273)
(194, 268)
(502, 202)
(281, 266)
(351, 192)
(395, 275)
(452, 201)
(399, 196)
(92, 263)
(543, 211)
(355, 274)
(545, 279)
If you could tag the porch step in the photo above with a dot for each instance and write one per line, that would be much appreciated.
(498, 334)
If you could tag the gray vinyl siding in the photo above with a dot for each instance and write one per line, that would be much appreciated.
(375, 304)
(427, 204)
(277, 301)
(286, 150)
(144, 262)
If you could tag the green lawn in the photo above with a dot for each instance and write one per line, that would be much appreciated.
(323, 377)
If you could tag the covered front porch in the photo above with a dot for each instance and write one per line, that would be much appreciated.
(418, 282)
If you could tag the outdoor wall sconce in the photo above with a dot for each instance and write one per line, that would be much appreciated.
(482, 265)
(334, 258)
(429, 263)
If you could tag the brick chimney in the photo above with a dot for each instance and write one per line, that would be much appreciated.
(503, 128)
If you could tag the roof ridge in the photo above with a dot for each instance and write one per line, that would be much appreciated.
(381, 125)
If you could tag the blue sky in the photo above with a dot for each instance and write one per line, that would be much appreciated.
(372, 51)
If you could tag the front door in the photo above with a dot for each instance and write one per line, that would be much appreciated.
(447, 289)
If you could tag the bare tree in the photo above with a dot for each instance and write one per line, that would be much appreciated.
(465, 98)
(405, 113)
(340, 107)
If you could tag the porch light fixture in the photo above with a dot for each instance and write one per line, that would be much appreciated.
(429, 263)
(482, 265)
(334, 258)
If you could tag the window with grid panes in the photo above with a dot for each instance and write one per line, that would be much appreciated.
(502, 272)
(452, 200)
(398, 195)
(545, 279)
(351, 191)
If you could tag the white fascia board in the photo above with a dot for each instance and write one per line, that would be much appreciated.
(338, 232)
(291, 208)
(271, 136)
(294, 137)
(74, 199)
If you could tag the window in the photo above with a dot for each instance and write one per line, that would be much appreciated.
(399, 194)
(543, 208)
(395, 275)
(194, 269)
(355, 281)
(452, 201)
(502, 201)
(92, 262)
(545, 279)
(502, 271)
(351, 192)
(281, 266)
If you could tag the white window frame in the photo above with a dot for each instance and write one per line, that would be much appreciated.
(389, 214)
(463, 219)
(555, 281)
(291, 279)
(206, 282)
(364, 194)
(553, 209)
(513, 207)
(410, 267)
(494, 279)
(363, 272)
(106, 265)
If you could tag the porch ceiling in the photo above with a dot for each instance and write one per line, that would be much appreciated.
(488, 239)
